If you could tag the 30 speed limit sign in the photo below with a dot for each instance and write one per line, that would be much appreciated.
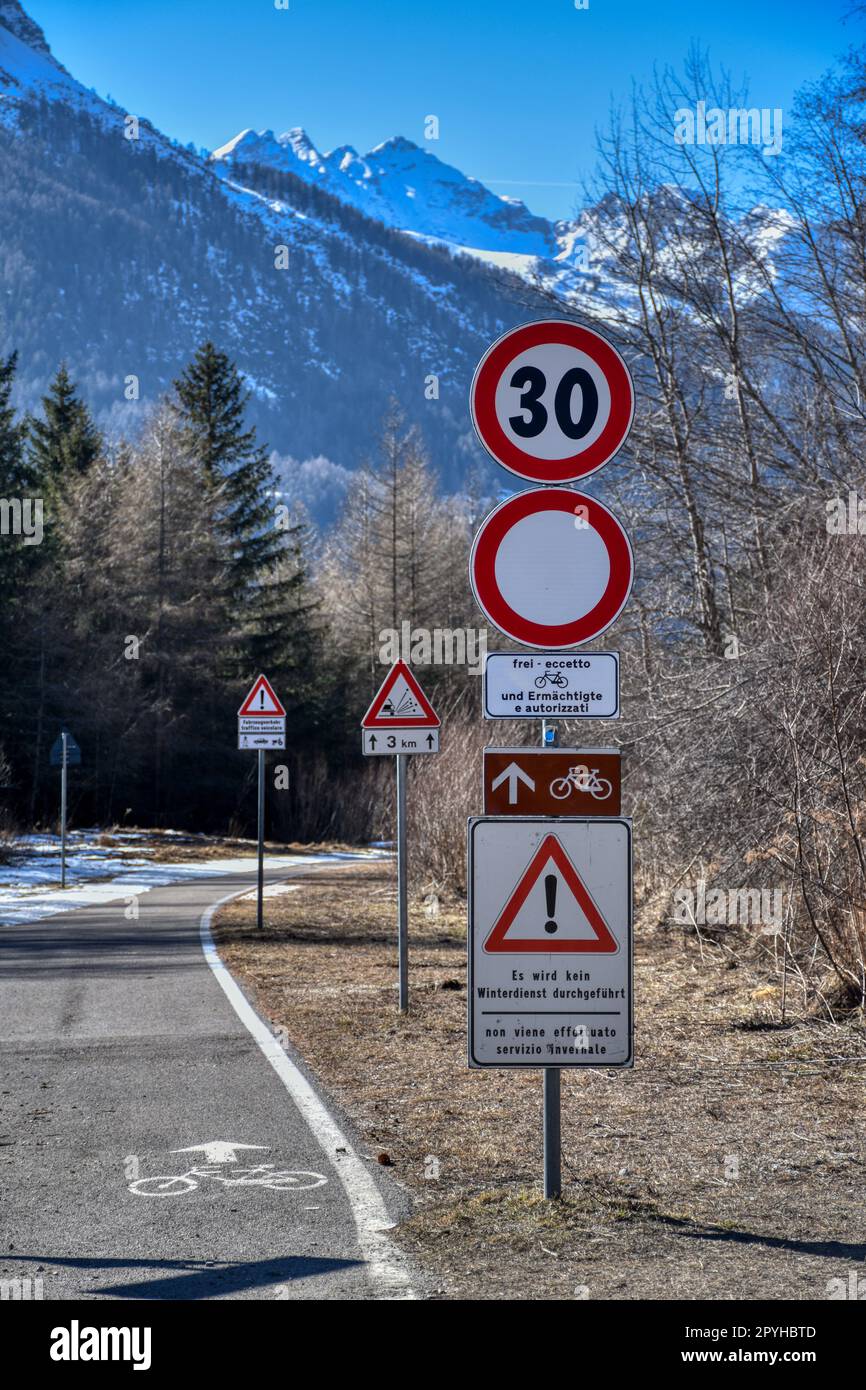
(552, 401)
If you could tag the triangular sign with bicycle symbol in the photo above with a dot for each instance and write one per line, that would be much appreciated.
(550, 910)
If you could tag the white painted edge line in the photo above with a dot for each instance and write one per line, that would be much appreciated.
(387, 1265)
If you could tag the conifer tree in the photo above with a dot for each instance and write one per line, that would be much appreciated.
(14, 480)
(65, 442)
(13, 485)
(264, 582)
(212, 402)
(14, 476)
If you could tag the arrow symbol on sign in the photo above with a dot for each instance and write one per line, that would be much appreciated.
(218, 1151)
(430, 740)
(372, 740)
(513, 774)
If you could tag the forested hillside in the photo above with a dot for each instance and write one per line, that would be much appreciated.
(167, 570)
(133, 248)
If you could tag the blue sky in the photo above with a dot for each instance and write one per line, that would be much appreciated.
(518, 85)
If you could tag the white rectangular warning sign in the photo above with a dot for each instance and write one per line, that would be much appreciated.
(550, 942)
(551, 685)
(251, 725)
(268, 731)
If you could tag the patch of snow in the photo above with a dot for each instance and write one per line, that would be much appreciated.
(29, 889)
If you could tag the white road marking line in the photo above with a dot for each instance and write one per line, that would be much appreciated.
(388, 1267)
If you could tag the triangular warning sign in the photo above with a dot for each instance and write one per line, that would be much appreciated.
(262, 700)
(550, 910)
(400, 703)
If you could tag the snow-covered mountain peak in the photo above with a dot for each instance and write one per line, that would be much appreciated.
(248, 138)
(248, 146)
(402, 185)
(300, 143)
(344, 156)
(398, 144)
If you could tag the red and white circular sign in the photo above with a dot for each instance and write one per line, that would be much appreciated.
(551, 568)
(552, 401)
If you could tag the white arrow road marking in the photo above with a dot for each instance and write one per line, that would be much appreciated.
(513, 773)
(387, 1264)
(218, 1151)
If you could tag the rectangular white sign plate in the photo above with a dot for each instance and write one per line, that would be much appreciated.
(551, 685)
(275, 740)
(550, 942)
(261, 724)
(388, 742)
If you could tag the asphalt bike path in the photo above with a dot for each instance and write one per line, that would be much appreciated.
(124, 1041)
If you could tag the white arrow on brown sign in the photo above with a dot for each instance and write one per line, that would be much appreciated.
(552, 782)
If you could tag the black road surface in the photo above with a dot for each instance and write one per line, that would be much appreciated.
(118, 1047)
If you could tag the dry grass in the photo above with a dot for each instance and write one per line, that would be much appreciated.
(728, 1164)
(172, 848)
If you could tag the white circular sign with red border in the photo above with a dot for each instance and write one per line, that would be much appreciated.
(552, 401)
(551, 568)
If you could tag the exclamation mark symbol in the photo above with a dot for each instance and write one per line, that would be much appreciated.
(550, 895)
(261, 699)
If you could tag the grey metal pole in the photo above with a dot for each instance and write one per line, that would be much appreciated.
(552, 1133)
(63, 812)
(402, 887)
(261, 893)
(552, 1108)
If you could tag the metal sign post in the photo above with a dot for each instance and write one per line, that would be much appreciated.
(551, 568)
(261, 725)
(552, 1132)
(552, 1089)
(400, 722)
(261, 892)
(64, 756)
(550, 952)
(65, 753)
(402, 887)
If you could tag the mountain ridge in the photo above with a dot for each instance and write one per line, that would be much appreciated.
(14, 18)
(386, 181)
(120, 255)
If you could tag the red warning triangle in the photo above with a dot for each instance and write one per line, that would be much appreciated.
(262, 700)
(400, 703)
(558, 911)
